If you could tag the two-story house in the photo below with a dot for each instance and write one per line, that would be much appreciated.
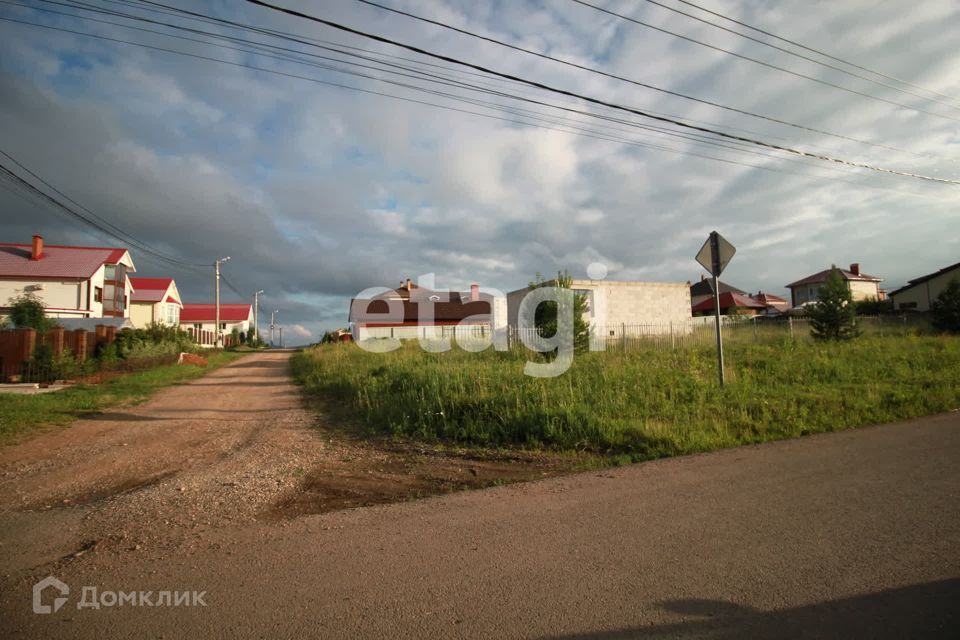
(71, 282)
(862, 286)
(155, 301)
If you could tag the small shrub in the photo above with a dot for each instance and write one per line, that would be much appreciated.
(945, 310)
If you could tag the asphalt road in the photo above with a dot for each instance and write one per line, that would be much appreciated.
(851, 534)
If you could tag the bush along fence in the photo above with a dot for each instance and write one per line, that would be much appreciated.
(30, 356)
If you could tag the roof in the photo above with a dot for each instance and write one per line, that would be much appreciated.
(151, 290)
(193, 312)
(728, 300)
(151, 283)
(930, 276)
(821, 276)
(705, 288)
(90, 324)
(77, 263)
(450, 307)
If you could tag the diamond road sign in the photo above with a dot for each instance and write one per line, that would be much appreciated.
(715, 254)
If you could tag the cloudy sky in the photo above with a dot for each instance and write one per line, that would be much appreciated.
(318, 192)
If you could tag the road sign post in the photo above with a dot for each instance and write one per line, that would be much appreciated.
(714, 255)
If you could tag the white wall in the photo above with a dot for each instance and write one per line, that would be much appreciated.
(62, 298)
(613, 304)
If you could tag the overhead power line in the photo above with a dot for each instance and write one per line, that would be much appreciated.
(537, 116)
(635, 111)
(81, 212)
(564, 62)
(565, 127)
(764, 63)
(812, 50)
(814, 60)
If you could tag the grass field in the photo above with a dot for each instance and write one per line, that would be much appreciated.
(20, 414)
(637, 405)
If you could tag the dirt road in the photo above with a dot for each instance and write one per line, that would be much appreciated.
(842, 535)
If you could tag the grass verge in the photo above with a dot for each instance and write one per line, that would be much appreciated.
(21, 414)
(637, 405)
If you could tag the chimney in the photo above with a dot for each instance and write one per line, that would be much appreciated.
(474, 292)
(409, 284)
(855, 268)
(37, 251)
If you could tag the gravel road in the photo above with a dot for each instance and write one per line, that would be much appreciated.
(851, 534)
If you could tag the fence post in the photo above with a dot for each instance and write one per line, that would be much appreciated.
(55, 340)
(79, 344)
(673, 338)
(754, 328)
(28, 341)
(880, 325)
(790, 322)
(623, 334)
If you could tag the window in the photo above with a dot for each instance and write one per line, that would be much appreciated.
(97, 294)
(110, 272)
(198, 326)
(171, 314)
(223, 326)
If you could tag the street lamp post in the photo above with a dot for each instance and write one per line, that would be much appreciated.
(256, 316)
(273, 321)
(218, 334)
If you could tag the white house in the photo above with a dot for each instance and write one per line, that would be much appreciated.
(411, 311)
(155, 301)
(72, 282)
(199, 318)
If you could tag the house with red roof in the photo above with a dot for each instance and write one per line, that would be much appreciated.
(200, 319)
(155, 301)
(411, 311)
(72, 282)
(730, 302)
(862, 286)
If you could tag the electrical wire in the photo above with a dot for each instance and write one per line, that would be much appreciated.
(635, 111)
(812, 50)
(741, 56)
(582, 132)
(813, 60)
(560, 61)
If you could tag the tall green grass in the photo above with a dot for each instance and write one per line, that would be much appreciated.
(641, 404)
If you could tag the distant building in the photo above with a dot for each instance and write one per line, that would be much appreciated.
(703, 290)
(200, 319)
(72, 282)
(617, 306)
(918, 293)
(773, 305)
(862, 286)
(155, 301)
(731, 303)
(418, 312)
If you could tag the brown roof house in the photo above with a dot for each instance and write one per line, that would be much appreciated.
(918, 293)
(862, 286)
(703, 290)
(411, 312)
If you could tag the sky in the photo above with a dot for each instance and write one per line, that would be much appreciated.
(318, 192)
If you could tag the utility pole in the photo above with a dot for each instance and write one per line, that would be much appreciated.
(256, 315)
(273, 321)
(218, 340)
(281, 337)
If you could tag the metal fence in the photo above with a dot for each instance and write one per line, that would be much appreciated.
(699, 332)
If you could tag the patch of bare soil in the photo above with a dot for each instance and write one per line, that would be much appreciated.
(382, 472)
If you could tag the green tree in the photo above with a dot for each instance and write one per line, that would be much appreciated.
(945, 310)
(834, 317)
(26, 311)
(235, 337)
(545, 317)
